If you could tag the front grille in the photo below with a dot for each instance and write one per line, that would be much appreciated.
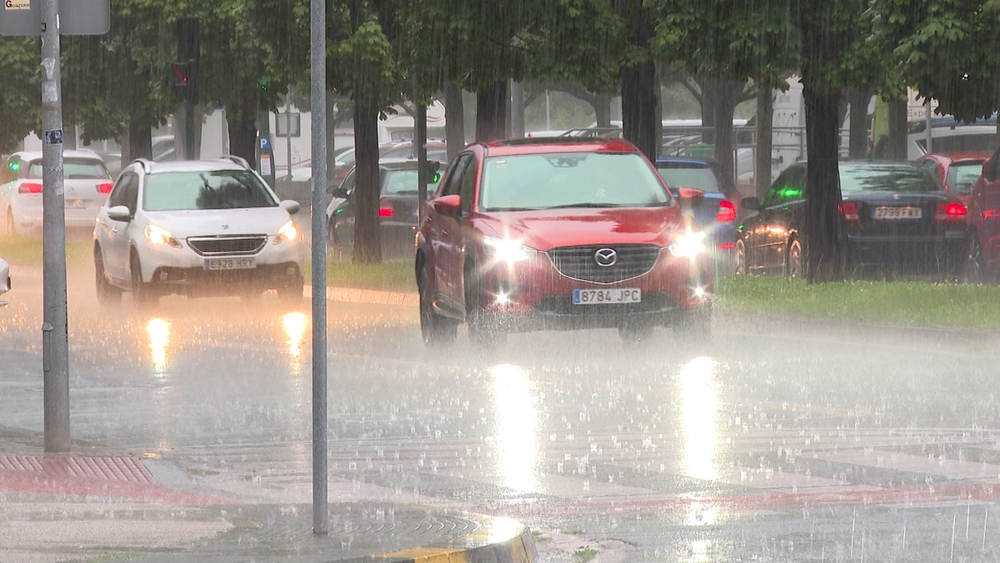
(228, 245)
(579, 262)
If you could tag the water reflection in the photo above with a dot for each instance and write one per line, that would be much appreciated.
(295, 329)
(159, 339)
(517, 422)
(699, 406)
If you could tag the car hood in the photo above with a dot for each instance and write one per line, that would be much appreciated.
(243, 221)
(544, 230)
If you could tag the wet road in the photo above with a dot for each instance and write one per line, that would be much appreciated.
(775, 441)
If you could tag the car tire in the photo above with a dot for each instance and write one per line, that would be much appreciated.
(143, 293)
(635, 332)
(290, 292)
(107, 294)
(484, 327)
(974, 270)
(436, 330)
(695, 324)
(792, 267)
(740, 267)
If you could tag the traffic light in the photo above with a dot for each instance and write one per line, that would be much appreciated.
(184, 80)
(188, 55)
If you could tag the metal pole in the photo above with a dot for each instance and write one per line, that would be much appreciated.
(288, 130)
(317, 20)
(927, 118)
(55, 340)
(420, 138)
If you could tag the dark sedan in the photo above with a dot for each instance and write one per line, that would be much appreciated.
(897, 219)
(397, 211)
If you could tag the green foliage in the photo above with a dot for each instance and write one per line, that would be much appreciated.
(20, 90)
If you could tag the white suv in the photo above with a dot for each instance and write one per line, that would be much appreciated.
(195, 228)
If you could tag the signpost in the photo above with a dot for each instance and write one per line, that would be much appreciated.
(43, 17)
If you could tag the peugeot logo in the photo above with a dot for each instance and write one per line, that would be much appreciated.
(606, 257)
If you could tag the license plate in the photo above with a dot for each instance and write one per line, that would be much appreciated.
(888, 212)
(607, 296)
(230, 263)
(77, 204)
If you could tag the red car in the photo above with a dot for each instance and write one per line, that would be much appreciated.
(957, 171)
(536, 234)
(983, 224)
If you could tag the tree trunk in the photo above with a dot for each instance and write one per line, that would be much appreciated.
(765, 117)
(602, 110)
(641, 122)
(331, 136)
(367, 241)
(859, 123)
(243, 131)
(517, 110)
(454, 112)
(491, 112)
(823, 247)
(140, 143)
(897, 131)
(725, 107)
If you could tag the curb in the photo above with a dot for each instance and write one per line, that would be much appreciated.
(481, 546)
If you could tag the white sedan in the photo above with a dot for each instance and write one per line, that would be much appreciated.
(4, 279)
(86, 186)
(195, 228)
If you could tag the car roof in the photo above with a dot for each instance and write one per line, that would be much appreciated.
(67, 153)
(543, 145)
(960, 156)
(685, 160)
(154, 167)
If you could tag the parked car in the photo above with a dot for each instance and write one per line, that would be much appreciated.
(718, 213)
(4, 279)
(86, 186)
(536, 234)
(897, 219)
(397, 212)
(958, 171)
(195, 228)
(983, 252)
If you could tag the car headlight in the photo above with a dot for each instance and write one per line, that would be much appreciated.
(688, 245)
(287, 232)
(509, 251)
(159, 236)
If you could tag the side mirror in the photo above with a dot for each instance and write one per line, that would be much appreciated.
(340, 193)
(448, 204)
(690, 198)
(750, 204)
(291, 206)
(119, 213)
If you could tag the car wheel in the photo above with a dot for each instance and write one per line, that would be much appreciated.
(290, 292)
(793, 260)
(695, 324)
(435, 329)
(9, 226)
(484, 327)
(142, 293)
(107, 294)
(635, 332)
(974, 272)
(740, 268)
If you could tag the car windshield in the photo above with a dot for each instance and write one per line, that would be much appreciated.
(689, 175)
(886, 177)
(566, 180)
(402, 181)
(74, 168)
(208, 189)
(962, 176)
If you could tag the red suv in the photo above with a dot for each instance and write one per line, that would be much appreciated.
(983, 224)
(536, 234)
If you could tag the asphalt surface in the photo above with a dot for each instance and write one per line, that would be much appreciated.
(780, 440)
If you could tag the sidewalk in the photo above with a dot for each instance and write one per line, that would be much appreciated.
(104, 506)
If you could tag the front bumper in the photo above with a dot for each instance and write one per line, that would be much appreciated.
(535, 295)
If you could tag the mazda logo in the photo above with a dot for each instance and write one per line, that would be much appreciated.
(606, 257)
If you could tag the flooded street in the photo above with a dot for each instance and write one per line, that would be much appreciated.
(776, 440)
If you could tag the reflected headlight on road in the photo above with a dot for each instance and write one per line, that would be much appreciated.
(688, 245)
(159, 236)
(287, 232)
(509, 251)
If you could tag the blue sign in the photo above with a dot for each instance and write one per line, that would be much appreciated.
(265, 144)
(54, 137)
